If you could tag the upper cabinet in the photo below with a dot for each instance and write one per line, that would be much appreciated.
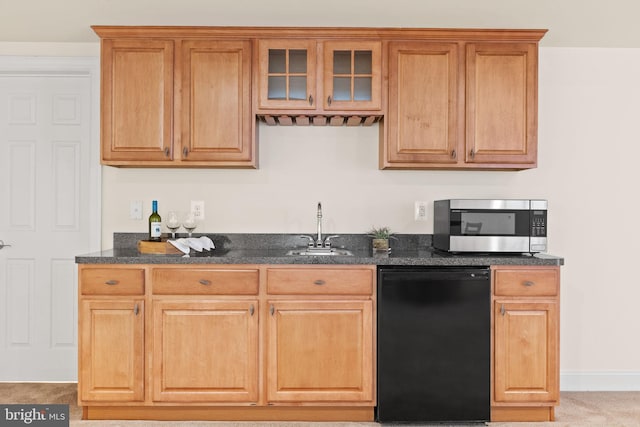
(423, 118)
(137, 100)
(443, 98)
(318, 78)
(215, 109)
(461, 104)
(501, 104)
(171, 101)
(287, 75)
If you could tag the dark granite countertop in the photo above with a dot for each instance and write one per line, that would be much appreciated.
(408, 249)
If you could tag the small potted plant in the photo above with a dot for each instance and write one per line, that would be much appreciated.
(381, 238)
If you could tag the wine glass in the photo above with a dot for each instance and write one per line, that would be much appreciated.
(172, 223)
(189, 222)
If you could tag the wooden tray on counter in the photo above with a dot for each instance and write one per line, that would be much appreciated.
(163, 247)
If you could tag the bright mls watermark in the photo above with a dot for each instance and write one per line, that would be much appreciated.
(34, 415)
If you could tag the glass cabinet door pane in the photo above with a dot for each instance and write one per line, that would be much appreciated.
(297, 87)
(277, 60)
(342, 62)
(298, 61)
(342, 88)
(362, 62)
(277, 87)
(362, 89)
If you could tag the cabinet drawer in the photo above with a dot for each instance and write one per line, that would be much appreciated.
(205, 281)
(343, 281)
(526, 282)
(112, 281)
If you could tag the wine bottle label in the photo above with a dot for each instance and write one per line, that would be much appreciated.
(156, 229)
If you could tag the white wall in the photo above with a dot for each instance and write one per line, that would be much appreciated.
(588, 170)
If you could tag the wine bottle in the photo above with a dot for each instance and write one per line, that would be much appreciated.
(155, 223)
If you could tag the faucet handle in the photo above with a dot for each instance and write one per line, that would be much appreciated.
(310, 244)
(327, 240)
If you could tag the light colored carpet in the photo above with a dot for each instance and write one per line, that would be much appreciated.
(577, 409)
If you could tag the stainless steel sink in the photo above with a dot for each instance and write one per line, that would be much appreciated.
(319, 252)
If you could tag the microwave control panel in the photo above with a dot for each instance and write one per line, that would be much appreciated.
(538, 223)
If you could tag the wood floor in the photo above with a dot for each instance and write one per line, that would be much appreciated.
(577, 409)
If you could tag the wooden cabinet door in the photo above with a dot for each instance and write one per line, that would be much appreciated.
(422, 125)
(216, 102)
(205, 351)
(526, 351)
(501, 88)
(137, 100)
(352, 75)
(320, 351)
(111, 366)
(287, 75)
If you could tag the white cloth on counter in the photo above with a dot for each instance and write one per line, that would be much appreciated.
(198, 244)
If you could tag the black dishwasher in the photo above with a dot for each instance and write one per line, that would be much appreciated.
(433, 344)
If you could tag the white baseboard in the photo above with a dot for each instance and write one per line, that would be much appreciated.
(600, 381)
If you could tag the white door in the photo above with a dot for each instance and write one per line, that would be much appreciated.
(48, 202)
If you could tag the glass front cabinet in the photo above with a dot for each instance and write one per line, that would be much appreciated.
(316, 76)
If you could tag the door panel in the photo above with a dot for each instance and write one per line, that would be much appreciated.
(46, 146)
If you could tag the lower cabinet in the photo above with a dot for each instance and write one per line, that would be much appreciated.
(205, 351)
(111, 334)
(227, 342)
(526, 343)
(320, 351)
(112, 350)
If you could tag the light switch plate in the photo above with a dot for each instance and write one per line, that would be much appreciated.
(135, 210)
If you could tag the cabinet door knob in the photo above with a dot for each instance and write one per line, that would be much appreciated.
(453, 154)
(310, 99)
(252, 310)
(166, 151)
(272, 309)
(185, 152)
(136, 309)
(111, 282)
(329, 100)
(204, 282)
(472, 154)
(502, 310)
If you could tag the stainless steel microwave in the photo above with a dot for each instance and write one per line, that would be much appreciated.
(478, 225)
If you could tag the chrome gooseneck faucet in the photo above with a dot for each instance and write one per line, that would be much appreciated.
(318, 243)
(319, 238)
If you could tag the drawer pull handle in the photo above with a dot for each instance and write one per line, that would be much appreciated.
(319, 282)
(252, 310)
(204, 282)
(136, 310)
(111, 282)
(528, 283)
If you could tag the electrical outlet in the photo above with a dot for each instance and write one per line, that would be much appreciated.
(197, 207)
(420, 211)
(135, 210)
